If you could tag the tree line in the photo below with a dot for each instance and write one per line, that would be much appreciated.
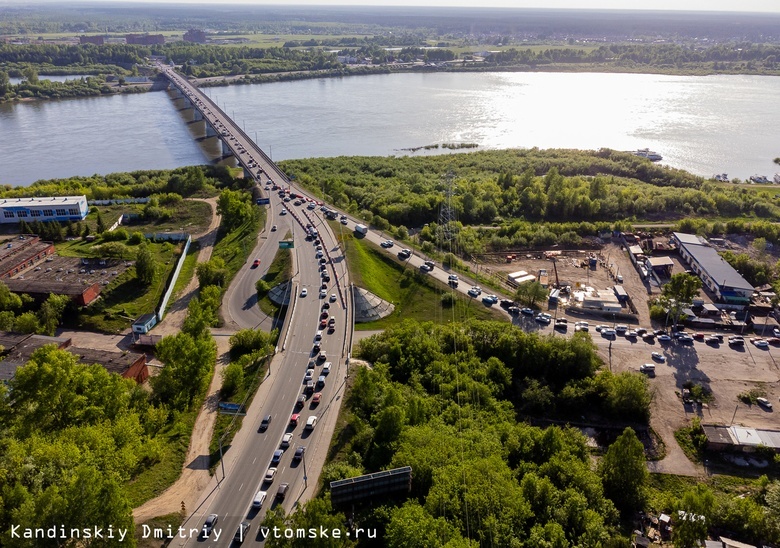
(532, 197)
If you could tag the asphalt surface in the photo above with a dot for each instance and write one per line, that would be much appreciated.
(249, 457)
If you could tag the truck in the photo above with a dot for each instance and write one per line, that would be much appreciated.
(361, 229)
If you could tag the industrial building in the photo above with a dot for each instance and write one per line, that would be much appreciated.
(17, 254)
(56, 208)
(19, 347)
(145, 39)
(195, 35)
(95, 40)
(744, 439)
(716, 274)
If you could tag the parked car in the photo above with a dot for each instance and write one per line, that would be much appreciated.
(658, 356)
(647, 368)
(664, 338)
(527, 311)
(763, 402)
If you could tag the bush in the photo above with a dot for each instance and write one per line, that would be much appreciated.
(136, 238)
(232, 379)
(448, 300)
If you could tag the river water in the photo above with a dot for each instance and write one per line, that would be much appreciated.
(704, 124)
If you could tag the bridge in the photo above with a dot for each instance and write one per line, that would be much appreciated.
(235, 142)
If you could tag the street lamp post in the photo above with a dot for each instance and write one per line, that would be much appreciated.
(305, 476)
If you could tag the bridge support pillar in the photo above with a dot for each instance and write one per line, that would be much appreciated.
(196, 115)
(248, 174)
(210, 131)
(225, 148)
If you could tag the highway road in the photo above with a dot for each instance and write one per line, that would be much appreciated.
(246, 462)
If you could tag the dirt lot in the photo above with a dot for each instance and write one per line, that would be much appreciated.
(612, 262)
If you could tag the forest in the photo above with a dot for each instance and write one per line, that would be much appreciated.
(523, 198)
(450, 401)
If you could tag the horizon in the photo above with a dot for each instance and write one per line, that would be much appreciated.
(711, 6)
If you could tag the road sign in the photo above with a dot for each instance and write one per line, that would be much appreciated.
(286, 244)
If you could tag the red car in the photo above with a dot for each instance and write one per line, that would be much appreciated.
(294, 419)
(323, 324)
(315, 400)
(256, 263)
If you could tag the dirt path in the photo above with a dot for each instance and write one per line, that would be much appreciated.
(195, 474)
(174, 318)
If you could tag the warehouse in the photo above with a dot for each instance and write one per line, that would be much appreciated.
(57, 208)
(716, 274)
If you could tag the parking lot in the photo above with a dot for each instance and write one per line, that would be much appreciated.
(723, 370)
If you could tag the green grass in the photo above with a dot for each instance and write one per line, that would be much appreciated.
(253, 376)
(190, 216)
(235, 246)
(186, 273)
(279, 272)
(124, 299)
(174, 440)
(415, 295)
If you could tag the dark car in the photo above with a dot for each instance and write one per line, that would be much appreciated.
(282, 492)
(265, 423)
(301, 401)
(299, 451)
(242, 532)
(209, 524)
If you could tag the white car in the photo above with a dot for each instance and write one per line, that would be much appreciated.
(761, 343)
(270, 475)
(326, 368)
(283, 212)
(323, 293)
(658, 356)
(304, 292)
(286, 439)
(475, 291)
(333, 297)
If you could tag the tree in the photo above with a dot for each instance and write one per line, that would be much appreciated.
(411, 526)
(100, 226)
(9, 301)
(232, 379)
(213, 272)
(624, 472)
(530, 293)
(31, 75)
(188, 363)
(27, 323)
(235, 208)
(679, 293)
(51, 311)
(145, 265)
(690, 520)
(5, 83)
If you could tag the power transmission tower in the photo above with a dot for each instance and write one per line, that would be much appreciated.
(447, 215)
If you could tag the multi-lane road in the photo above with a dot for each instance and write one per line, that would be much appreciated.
(248, 459)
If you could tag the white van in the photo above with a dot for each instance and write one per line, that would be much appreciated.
(647, 368)
(311, 422)
(259, 499)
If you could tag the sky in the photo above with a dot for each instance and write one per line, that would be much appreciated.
(772, 6)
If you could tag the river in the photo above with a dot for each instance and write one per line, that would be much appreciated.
(704, 124)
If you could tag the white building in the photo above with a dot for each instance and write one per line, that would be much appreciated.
(717, 275)
(58, 208)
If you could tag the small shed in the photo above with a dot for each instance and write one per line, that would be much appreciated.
(145, 323)
(661, 265)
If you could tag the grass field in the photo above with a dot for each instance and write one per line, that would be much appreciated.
(234, 247)
(415, 295)
(279, 272)
(186, 273)
(173, 443)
